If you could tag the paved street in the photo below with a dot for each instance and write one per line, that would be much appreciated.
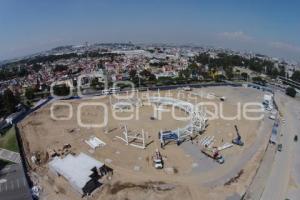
(257, 186)
(285, 162)
(13, 184)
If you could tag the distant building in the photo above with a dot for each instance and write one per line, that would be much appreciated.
(166, 74)
(82, 171)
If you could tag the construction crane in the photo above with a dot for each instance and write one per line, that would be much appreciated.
(214, 154)
(238, 139)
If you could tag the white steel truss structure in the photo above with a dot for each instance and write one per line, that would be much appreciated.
(134, 139)
(198, 119)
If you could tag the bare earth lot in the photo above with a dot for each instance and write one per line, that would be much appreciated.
(195, 176)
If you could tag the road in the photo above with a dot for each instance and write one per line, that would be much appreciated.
(285, 164)
(13, 184)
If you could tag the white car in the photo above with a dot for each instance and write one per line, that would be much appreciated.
(187, 88)
(269, 108)
(272, 117)
(158, 164)
(105, 92)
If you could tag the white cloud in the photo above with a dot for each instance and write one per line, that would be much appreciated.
(238, 35)
(285, 46)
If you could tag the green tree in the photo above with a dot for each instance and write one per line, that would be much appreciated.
(229, 72)
(152, 77)
(10, 101)
(281, 70)
(259, 80)
(219, 78)
(274, 72)
(145, 73)
(291, 92)
(61, 90)
(244, 75)
(96, 84)
(296, 76)
(186, 73)
(29, 93)
(132, 74)
(36, 67)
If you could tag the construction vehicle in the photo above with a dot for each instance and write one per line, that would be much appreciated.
(157, 160)
(214, 154)
(238, 139)
(223, 98)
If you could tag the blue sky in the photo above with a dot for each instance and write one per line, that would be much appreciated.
(265, 26)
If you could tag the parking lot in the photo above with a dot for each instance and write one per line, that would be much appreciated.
(13, 184)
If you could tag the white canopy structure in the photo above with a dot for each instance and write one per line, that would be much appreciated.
(79, 171)
(95, 142)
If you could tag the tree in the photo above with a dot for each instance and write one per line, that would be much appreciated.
(60, 68)
(29, 93)
(36, 67)
(145, 73)
(274, 72)
(259, 80)
(281, 70)
(22, 72)
(152, 77)
(186, 73)
(296, 76)
(10, 101)
(291, 92)
(244, 75)
(96, 85)
(229, 72)
(132, 74)
(219, 78)
(101, 65)
(61, 90)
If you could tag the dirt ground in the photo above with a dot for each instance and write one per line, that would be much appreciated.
(134, 175)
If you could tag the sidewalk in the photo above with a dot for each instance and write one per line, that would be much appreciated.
(10, 156)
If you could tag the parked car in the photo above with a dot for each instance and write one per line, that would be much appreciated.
(272, 117)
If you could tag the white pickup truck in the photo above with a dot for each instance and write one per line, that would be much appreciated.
(157, 160)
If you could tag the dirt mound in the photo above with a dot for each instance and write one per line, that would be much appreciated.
(155, 186)
(147, 190)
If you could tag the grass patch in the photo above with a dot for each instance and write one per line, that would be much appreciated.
(9, 141)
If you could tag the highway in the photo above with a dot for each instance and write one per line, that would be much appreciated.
(278, 186)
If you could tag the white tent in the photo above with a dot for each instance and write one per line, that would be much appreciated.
(77, 170)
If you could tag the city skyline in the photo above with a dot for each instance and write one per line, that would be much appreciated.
(266, 27)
